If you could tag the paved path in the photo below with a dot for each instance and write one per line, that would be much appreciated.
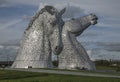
(67, 72)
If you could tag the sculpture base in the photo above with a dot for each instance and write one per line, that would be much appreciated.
(31, 64)
(76, 65)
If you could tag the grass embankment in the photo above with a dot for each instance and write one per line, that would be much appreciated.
(106, 68)
(19, 76)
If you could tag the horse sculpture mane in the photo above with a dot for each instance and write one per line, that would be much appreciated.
(48, 9)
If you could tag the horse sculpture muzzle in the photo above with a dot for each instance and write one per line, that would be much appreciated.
(93, 19)
(58, 45)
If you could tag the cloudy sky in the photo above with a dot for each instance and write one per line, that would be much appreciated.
(16, 14)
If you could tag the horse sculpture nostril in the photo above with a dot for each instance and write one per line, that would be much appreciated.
(57, 50)
(95, 18)
(95, 22)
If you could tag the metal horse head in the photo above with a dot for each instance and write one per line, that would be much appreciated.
(53, 24)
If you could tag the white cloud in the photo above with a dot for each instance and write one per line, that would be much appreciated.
(10, 23)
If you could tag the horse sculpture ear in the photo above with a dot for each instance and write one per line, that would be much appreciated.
(62, 11)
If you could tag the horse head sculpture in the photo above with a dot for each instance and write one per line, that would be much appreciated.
(54, 26)
(42, 36)
(73, 55)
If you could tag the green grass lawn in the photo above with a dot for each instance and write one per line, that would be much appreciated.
(105, 68)
(19, 76)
